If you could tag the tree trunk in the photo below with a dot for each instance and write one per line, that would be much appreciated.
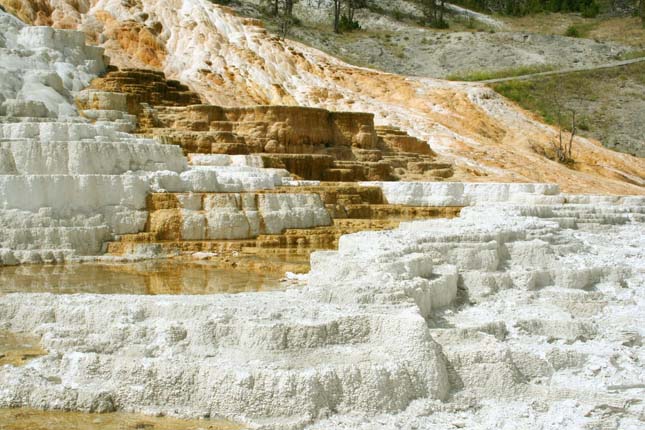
(337, 7)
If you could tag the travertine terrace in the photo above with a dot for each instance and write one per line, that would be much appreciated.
(519, 305)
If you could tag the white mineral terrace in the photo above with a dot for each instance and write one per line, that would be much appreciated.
(527, 311)
(69, 185)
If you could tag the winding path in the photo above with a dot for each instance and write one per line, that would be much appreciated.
(564, 71)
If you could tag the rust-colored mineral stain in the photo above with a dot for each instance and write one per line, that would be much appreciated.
(33, 419)
(18, 348)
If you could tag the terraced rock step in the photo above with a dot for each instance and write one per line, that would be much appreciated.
(17, 349)
(312, 144)
(145, 86)
(266, 224)
(72, 175)
(34, 419)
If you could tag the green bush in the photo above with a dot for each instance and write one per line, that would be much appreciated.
(572, 31)
(347, 24)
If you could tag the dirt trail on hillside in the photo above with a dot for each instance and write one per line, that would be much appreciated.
(564, 71)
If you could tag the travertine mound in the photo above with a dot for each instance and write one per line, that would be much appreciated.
(532, 305)
(313, 144)
(231, 60)
(75, 178)
(70, 183)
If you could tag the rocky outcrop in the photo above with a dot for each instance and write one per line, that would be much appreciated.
(270, 129)
(74, 177)
(312, 144)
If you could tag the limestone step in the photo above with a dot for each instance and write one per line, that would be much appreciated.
(441, 173)
(306, 166)
(406, 144)
(368, 154)
(224, 247)
(85, 240)
(89, 156)
(146, 86)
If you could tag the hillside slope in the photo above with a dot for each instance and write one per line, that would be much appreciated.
(231, 60)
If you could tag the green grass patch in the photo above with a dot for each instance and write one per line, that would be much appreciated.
(484, 75)
(531, 95)
(580, 30)
(631, 55)
(543, 95)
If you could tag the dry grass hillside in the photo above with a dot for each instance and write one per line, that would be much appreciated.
(232, 60)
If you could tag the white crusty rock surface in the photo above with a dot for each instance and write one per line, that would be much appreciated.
(511, 316)
(467, 194)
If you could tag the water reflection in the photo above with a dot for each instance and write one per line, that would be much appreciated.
(18, 348)
(147, 277)
(32, 419)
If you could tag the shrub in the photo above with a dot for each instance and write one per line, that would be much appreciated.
(347, 24)
(572, 31)
(439, 24)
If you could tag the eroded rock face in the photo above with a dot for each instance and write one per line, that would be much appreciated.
(313, 144)
(548, 300)
(233, 215)
(280, 129)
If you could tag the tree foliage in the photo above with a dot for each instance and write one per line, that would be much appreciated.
(343, 13)
(588, 8)
(434, 11)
